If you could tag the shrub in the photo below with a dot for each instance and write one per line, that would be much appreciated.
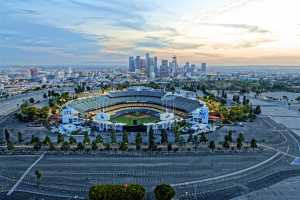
(164, 192)
(117, 192)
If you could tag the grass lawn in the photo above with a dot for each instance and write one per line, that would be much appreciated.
(140, 118)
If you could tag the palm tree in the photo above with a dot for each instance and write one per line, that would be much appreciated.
(20, 137)
(212, 145)
(86, 139)
(239, 144)
(203, 138)
(38, 175)
(94, 145)
(226, 145)
(138, 141)
(47, 140)
(253, 144)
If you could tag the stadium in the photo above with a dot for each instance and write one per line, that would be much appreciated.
(135, 110)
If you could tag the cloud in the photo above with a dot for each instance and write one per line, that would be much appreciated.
(249, 28)
(156, 42)
(29, 12)
(243, 44)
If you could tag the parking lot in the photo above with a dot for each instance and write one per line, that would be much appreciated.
(68, 176)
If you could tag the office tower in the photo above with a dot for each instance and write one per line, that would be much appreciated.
(155, 63)
(137, 63)
(131, 65)
(164, 68)
(203, 68)
(33, 73)
(192, 68)
(186, 67)
(174, 66)
(148, 63)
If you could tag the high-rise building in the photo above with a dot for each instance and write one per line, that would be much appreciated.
(137, 63)
(131, 65)
(203, 67)
(186, 67)
(164, 68)
(148, 64)
(33, 73)
(155, 63)
(174, 66)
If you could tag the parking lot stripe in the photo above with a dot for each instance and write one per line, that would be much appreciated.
(25, 174)
(227, 175)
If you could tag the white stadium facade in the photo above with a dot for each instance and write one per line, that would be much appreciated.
(167, 107)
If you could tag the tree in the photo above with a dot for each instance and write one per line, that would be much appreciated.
(10, 145)
(65, 146)
(31, 100)
(47, 140)
(257, 110)
(164, 136)
(212, 145)
(226, 145)
(99, 139)
(241, 137)
(107, 147)
(72, 141)
(164, 192)
(230, 136)
(253, 144)
(80, 146)
(181, 141)
(236, 98)
(20, 137)
(51, 146)
(117, 192)
(37, 145)
(151, 141)
(245, 102)
(38, 175)
(113, 137)
(125, 137)
(94, 145)
(86, 139)
(190, 138)
(123, 146)
(60, 138)
(170, 147)
(34, 139)
(203, 138)
(239, 144)
(138, 141)
(7, 135)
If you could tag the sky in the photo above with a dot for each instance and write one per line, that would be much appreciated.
(219, 32)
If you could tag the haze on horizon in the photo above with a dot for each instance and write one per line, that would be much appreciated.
(221, 32)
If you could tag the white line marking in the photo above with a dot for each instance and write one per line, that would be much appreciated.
(25, 173)
(227, 175)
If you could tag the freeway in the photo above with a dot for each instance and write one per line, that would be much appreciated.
(12, 104)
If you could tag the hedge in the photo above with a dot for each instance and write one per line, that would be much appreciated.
(117, 192)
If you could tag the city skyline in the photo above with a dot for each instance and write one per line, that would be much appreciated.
(226, 32)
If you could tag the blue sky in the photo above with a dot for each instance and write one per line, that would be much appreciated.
(108, 31)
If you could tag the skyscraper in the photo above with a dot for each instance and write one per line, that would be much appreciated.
(148, 64)
(137, 63)
(33, 73)
(174, 66)
(155, 63)
(203, 67)
(164, 68)
(131, 65)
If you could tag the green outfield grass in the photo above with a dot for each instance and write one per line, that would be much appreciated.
(140, 118)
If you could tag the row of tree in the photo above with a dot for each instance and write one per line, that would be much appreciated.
(129, 192)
